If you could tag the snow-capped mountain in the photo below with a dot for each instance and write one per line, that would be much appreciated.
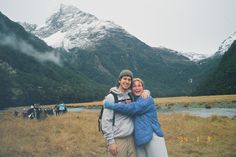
(225, 45)
(28, 27)
(195, 57)
(70, 27)
(116, 50)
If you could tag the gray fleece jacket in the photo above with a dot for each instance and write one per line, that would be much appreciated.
(123, 124)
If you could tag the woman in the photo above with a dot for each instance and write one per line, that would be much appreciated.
(148, 134)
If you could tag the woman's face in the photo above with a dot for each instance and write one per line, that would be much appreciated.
(137, 88)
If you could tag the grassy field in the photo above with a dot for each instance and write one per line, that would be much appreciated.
(175, 100)
(197, 99)
(76, 135)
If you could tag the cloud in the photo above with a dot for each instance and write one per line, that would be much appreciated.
(28, 49)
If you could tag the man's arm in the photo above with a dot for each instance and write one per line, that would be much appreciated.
(139, 107)
(107, 119)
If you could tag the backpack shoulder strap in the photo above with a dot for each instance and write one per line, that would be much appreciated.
(115, 101)
(131, 96)
(101, 113)
(100, 120)
(115, 97)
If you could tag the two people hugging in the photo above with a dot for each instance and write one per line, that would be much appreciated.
(129, 122)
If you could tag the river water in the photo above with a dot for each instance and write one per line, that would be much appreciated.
(202, 111)
(196, 110)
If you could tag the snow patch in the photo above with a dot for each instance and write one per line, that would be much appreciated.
(56, 40)
(226, 44)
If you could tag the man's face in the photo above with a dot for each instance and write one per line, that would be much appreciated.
(125, 83)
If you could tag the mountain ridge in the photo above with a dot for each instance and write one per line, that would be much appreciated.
(89, 30)
(74, 28)
(226, 44)
(86, 74)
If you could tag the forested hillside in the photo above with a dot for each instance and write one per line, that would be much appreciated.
(223, 79)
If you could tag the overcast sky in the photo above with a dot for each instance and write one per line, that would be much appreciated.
(184, 25)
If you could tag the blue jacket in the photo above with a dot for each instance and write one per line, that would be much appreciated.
(145, 118)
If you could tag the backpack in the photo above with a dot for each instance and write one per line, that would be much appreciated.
(115, 101)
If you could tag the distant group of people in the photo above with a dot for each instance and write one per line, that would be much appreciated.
(129, 120)
(36, 111)
(59, 109)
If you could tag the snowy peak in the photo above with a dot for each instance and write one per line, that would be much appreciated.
(225, 45)
(70, 27)
(28, 27)
(67, 15)
(195, 57)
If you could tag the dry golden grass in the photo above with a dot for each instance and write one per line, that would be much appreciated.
(197, 99)
(190, 136)
(69, 135)
(174, 100)
(86, 104)
(76, 135)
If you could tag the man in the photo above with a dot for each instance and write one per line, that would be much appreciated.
(118, 128)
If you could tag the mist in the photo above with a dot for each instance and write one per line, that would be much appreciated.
(26, 48)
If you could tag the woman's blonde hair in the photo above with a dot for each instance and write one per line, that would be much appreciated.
(138, 79)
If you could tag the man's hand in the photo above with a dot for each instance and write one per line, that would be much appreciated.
(113, 149)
